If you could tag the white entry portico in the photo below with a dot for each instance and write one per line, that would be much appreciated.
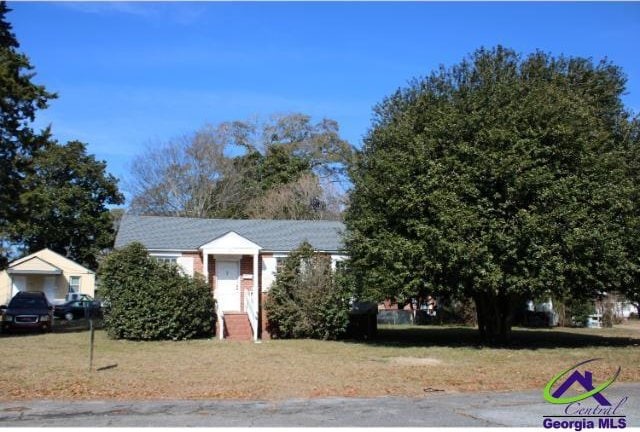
(227, 251)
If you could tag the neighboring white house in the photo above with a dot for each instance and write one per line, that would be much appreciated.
(238, 258)
(48, 272)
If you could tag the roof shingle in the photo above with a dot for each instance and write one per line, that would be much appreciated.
(178, 233)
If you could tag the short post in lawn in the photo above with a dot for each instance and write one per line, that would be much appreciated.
(91, 331)
(88, 314)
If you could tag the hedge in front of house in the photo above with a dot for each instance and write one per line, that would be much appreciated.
(305, 300)
(149, 300)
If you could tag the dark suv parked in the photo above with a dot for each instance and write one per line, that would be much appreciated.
(28, 311)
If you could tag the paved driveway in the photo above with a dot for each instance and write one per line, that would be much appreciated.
(434, 409)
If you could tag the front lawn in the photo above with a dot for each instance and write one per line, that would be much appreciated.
(407, 361)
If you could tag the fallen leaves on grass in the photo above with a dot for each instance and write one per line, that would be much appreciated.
(275, 370)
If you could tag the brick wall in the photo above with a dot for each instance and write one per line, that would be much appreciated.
(246, 267)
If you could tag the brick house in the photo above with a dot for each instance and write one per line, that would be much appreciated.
(238, 258)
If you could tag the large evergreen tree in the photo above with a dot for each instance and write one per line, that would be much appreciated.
(64, 204)
(51, 195)
(20, 98)
(499, 179)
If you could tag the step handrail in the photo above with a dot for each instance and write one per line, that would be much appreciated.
(250, 309)
(220, 315)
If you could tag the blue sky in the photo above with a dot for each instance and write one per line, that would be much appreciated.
(132, 74)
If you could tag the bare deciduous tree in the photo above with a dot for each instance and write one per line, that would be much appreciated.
(287, 167)
(180, 177)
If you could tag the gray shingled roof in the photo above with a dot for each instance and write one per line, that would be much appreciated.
(177, 233)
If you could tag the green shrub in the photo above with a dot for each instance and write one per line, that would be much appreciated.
(456, 311)
(580, 310)
(148, 300)
(305, 301)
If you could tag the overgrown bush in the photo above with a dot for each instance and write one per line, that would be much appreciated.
(148, 300)
(305, 300)
(456, 311)
(577, 311)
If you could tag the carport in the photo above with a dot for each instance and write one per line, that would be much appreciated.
(37, 274)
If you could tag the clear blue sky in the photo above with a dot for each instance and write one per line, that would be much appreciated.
(130, 74)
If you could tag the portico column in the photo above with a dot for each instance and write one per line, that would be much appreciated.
(256, 304)
(13, 290)
(205, 266)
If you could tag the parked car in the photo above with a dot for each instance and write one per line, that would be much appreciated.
(28, 311)
(87, 297)
(77, 296)
(76, 309)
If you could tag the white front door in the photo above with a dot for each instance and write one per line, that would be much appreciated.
(227, 292)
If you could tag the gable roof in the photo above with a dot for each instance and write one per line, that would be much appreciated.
(178, 233)
(52, 258)
(33, 265)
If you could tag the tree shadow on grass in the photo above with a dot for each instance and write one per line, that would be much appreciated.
(436, 336)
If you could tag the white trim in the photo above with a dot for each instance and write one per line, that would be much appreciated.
(226, 257)
(262, 251)
(52, 270)
(231, 241)
(256, 306)
(165, 254)
(172, 250)
(288, 252)
(37, 254)
(205, 266)
(186, 264)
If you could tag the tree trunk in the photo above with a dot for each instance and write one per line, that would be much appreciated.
(495, 316)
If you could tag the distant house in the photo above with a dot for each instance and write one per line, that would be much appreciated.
(48, 272)
(238, 258)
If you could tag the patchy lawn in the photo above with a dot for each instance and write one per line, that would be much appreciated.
(406, 361)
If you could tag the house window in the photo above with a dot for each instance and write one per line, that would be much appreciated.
(74, 284)
(166, 259)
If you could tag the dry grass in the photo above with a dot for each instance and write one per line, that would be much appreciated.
(403, 361)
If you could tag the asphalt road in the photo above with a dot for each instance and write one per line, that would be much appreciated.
(523, 409)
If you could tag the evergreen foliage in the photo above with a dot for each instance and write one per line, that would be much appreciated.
(64, 204)
(305, 301)
(20, 98)
(148, 300)
(501, 179)
(51, 195)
